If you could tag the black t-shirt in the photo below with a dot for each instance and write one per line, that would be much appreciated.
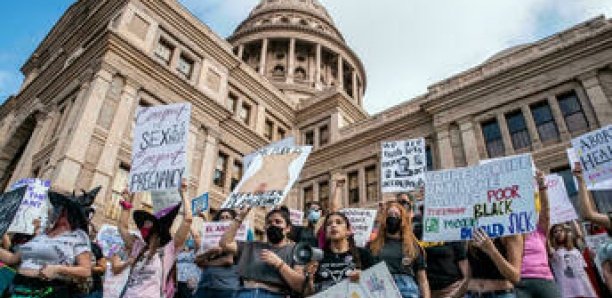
(393, 255)
(442, 264)
(97, 278)
(335, 267)
(303, 234)
(610, 219)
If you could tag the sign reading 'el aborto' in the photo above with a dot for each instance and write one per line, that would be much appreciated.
(269, 178)
(213, 231)
(403, 165)
(595, 154)
(497, 196)
(160, 147)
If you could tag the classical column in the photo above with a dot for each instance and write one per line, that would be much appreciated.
(531, 127)
(318, 67)
(260, 124)
(334, 127)
(468, 137)
(79, 138)
(340, 72)
(360, 95)
(363, 194)
(263, 56)
(507, 139)
(240, 51)
(209, 157)
(601, 104)
(355, 90)
(24, 166)
(105, 169)
(445, 150)
(291, 69)
(558, 117)
(5, 128)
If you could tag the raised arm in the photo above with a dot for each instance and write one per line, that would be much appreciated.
(228, 243)
(510, 268)
(124, 219)
(336, 202)
(197, 237)
(544, 221)
(587, 206)
(182, 233)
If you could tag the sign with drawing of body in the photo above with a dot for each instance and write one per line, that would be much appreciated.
(159, 150)
(403, 165)
(594, 151)
(35, 205)
(375, 282)
(497, 196)
(274, 171)
(362, 223)
(561, 209)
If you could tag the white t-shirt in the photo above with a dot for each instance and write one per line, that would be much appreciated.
(149, 277)
(62, 249)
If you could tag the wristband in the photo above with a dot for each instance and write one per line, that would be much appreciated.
(126, 205)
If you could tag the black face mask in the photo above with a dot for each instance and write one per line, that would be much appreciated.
(275, 234)
(393, 224)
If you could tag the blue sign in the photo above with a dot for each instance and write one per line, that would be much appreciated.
(199, 204)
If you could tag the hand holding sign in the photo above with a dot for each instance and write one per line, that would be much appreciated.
(483, 242)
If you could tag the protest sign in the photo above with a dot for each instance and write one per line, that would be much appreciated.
(35, 205)
(572, 156)
(594, 151)
(109, 240)
(213, 231)
(274, 171)
(286, 142)
(375, 282)
(186, 268)
(497, 196)
(9, 206)
(561, 209)
(362, 223)
(403, 165)
(165, 198)
(199, 204)
(593, 242)
(297, 217)
(159, 151)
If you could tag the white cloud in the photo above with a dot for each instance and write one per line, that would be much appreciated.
(408, 45)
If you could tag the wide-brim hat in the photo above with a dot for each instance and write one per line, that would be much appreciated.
(76, 206)
(162, 221)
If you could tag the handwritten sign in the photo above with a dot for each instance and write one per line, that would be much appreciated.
(165, 198)
(110, 240)
(10, 203)
(561, 209)
(286, 142)
(375, 282)
(213, 231)
(160, 147)
(35, 205)
(297, 217)
(362, 223)
(572, 156)
(497, 196)
(593, 242)
(594, 151)
(274, 170)
(199, 204)
(403, 165)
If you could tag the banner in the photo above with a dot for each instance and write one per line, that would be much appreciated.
(162, 199)
(274, 170)
(376, 282)
(572, 156)
(561, 209)
(362, 223)
(403, 165)
(594, 150)
(286, 142)
(159, 151)
(497, 196)
(213, 231)
(35, 205)
(199, 204)
(297, 217)
(9, 206)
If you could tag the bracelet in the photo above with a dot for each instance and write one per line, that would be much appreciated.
(126, 205)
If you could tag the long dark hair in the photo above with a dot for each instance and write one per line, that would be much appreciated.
(353, 249)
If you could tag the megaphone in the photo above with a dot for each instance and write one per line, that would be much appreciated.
(304, 253)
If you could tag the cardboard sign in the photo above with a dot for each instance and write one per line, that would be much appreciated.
(35, 205)
(274, 170)
(10, 203)
(159, 151)
(403, 165)
(561, 209)
(165, 198)
(362, 223)
(199, 204)
(213, 231)
(286, 142)
(572, 156)
(376, 282)
(594, 151)
(297, 217)
(497, 196)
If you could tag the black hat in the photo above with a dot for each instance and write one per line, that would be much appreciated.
(76, 206)
(162, 222)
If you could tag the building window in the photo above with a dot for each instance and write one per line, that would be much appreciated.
(113, 210)
(185, 66)
(323, 135)
(236, 174)
(572, 112)
(371, 183)
(220, 170)
(245, 113)
(232, 101)
(429, 158)
(353, 185)
(269, 130)
(518, 130)
(309, 138)
(493, 138)
(281, 133)
(545, 122)
(308, 194)
(324, 194)
(163, 51)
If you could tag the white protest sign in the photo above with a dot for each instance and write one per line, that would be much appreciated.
(572, 156)
(375, 282)
(362, 223)
(159, 151)
(497, 196)
(595, 241)
(273, 170)
(561, 209)
(35, 205)
(165, 198)
(110, 240)
(297, 217)
(186, 269)
(286, 142)
(403, 165)
(594, 151)
(213, 231)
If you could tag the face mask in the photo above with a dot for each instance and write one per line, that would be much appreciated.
(393, 224)
(314, 215)
(144, 232)
(275, 234)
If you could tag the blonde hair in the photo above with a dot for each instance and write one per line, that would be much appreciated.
(569, 237)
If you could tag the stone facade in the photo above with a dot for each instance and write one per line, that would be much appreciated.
(286, 71)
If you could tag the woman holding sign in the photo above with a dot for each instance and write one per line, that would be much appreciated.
(397, 246)
(589, 211)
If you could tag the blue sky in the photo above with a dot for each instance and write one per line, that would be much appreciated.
(404, 45)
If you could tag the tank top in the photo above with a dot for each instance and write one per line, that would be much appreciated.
(481, 264)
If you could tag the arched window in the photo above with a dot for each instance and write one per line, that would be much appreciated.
(278, 71)
(300, 73)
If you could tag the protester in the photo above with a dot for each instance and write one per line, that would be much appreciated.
(587, 206)
(55, 261)
(568, 264)
(188, 273)
(537, 280)
(397, 246)
(266, 268)
(605, 256)
(219, 277)
(98, 267)
(152, 258)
